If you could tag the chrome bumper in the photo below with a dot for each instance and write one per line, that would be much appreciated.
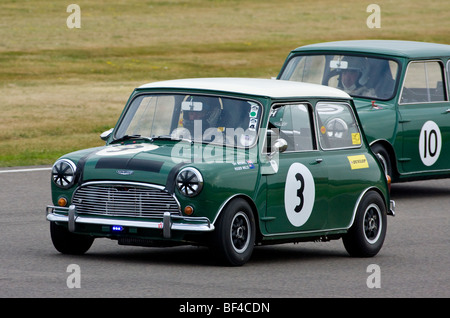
(167, 223)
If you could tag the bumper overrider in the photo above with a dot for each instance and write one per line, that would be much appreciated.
(391, 208)
(167, 223)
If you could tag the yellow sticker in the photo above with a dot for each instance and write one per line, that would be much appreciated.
(358, 162)
(356, 138)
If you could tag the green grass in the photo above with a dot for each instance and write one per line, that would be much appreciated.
(60, 87)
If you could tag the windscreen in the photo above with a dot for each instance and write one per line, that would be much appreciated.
(359, 76)
(199, 118)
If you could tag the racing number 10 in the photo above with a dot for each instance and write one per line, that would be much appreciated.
(427, 143)
(430, 143)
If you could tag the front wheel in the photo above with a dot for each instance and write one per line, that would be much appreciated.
(234, 237)
(366, 236)
(67, 242)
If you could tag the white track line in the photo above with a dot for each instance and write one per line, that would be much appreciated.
(25, 170)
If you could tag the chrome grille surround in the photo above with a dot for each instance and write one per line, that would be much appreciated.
(124, 199)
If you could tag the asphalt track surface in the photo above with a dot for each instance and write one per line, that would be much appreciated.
(414, 261)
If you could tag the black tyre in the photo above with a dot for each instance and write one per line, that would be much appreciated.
(69, 243)
(234, 236)
(366, 236)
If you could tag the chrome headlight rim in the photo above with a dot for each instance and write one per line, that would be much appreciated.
(189, 182)
(63, 173)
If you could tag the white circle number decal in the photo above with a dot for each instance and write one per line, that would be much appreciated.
(430, 143)
(125, 149)
(299, 194)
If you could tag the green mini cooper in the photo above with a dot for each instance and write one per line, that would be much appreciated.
(401, 93)
(227, 163)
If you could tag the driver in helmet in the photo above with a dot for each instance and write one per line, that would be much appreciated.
(200, 113)
(354, 77)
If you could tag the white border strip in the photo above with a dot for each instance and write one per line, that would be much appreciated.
(25, 170)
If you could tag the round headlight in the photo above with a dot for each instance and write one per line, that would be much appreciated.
(63, 173)
(189, 182)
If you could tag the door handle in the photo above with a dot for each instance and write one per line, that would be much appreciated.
(317, 161)
(447, 111)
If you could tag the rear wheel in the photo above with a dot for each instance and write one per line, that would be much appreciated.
(67, 242)
(366, 236)
(234, 237)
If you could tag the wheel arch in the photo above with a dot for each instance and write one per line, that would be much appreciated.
(387, 146)
(252, 206)
(367, 233)
(358, 202)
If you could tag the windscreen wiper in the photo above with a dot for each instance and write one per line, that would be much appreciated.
(174, 138)
(128, 137)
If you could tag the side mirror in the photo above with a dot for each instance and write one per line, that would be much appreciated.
(280, 145)
(105, 135)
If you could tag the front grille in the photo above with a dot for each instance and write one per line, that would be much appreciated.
(124, 200)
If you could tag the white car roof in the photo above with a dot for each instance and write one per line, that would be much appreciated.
(253, 86)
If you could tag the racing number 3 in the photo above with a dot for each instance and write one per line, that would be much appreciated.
(299, 194)
(430, 143)
(300, 178)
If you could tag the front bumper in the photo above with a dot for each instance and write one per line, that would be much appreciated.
(167, 223)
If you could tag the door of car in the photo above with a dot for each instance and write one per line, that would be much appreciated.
(424, 110)
(297, 188)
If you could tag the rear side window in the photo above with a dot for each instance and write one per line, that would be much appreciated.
(424, 83)
(448, 74)
(337, 126)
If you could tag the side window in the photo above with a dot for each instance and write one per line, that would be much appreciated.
(424, 83)
(448, 75)
(293, 123)
(337, 126)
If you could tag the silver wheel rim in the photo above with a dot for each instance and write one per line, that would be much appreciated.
(240, 232)
(372, 224)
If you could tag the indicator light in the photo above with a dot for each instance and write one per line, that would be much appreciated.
(389, 182)
(62, 201)
(188, 210)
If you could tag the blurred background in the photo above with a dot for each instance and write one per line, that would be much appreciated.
(61, 86)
